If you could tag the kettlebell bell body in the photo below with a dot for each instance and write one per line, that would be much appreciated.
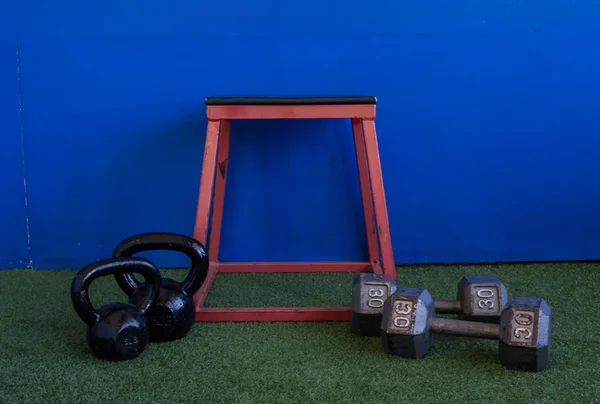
(121, 334)
(172, 315)
(116, 331)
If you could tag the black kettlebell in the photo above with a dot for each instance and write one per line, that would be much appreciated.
(173, 314)
(116, 331)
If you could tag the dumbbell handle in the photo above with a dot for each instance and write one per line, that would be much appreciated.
(447, 306)
(465, 328)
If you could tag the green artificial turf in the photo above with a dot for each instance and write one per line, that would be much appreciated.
(44, 356)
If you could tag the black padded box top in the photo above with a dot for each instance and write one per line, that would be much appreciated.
(338, 100)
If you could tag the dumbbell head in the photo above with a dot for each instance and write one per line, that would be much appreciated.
(481, 297)
(369, 293)
(406, 323)
(525, 334)
(524, 330)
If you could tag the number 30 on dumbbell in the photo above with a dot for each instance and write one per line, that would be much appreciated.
(478, 298)
(409, 323)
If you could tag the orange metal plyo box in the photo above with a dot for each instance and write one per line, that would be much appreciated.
(220, 112)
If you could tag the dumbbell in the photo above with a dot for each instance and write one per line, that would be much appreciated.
(409, 323)
(479, 298)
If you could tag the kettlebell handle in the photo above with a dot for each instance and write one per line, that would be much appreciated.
(112, 266)
(197, 271)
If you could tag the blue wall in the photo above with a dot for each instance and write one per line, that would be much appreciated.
(13, 226)
(487, 121)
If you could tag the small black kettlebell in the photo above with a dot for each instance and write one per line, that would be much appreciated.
(116, 331)
(173, 314)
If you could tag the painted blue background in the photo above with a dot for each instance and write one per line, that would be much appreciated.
(13, 227)
(487, 122)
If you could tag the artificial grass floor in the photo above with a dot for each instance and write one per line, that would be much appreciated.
(45, 357)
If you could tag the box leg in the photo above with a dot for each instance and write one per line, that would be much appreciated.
(207, 178)
(378, 193)
(365, 189)
(219, 193)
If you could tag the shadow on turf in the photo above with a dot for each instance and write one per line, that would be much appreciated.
(463, 351)
(74, 342)
(67, 336)
(71, 334)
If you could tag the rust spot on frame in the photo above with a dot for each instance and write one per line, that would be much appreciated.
(223, 168)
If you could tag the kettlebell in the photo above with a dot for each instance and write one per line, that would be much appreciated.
(116, 331)
(173, 315)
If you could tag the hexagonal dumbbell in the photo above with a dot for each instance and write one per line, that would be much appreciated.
(409, 323)
(479, 298)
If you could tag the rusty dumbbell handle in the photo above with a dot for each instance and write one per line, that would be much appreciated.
(447, 307)
(465, 328)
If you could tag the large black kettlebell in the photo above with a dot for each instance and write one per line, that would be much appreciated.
(172, 316)
(116, 331)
